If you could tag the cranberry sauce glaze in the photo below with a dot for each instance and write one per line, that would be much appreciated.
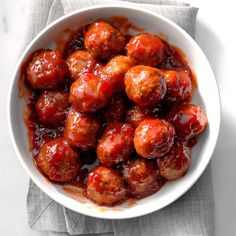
(66, 44)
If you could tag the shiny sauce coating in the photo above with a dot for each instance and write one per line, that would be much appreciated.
(39, 133)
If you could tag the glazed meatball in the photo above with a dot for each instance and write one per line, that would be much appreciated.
(175, 163)
(81, 130)
(189, 120)
(142, 177)
(116, 144)
(102, 40)
(115, 111)
(51, 107)
(136, 115)
(145, 85)
(105, 186)
(89, 93)
(47, 70)
(58, 161)
(146, 49)
(80, 62)
(179, 86)
(153, 138)
(116, 69)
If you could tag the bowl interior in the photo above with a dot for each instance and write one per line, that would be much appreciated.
(207, 97)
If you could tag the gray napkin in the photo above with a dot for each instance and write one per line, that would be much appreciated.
(192, 214)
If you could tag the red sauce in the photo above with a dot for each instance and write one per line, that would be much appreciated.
(63, 38)
(125, 26)
(67, 43)
(71, 41)
(173, 58)
(193, 141)
(82, 178)
(75, 193)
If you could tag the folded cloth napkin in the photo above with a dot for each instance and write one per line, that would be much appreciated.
(192, 214)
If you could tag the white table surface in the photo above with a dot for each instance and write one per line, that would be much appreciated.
(215, 34)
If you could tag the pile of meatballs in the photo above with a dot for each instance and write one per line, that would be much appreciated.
(135, 116)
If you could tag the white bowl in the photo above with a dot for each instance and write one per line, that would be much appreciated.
(207, 97)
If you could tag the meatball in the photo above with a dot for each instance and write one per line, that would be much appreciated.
(116, 144)
(115, 110)
(153, 138)
(105, 186)
(145, 85)
(47, 70)
(146, 49)
(136, 115)
(81, 130)
(89, 93)
(116, 69)
(142, 177)
(58, 161)
(189, 120)
(179, 86)
(175, 163)
(80, 62)
(51, 106)
(102, 40)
